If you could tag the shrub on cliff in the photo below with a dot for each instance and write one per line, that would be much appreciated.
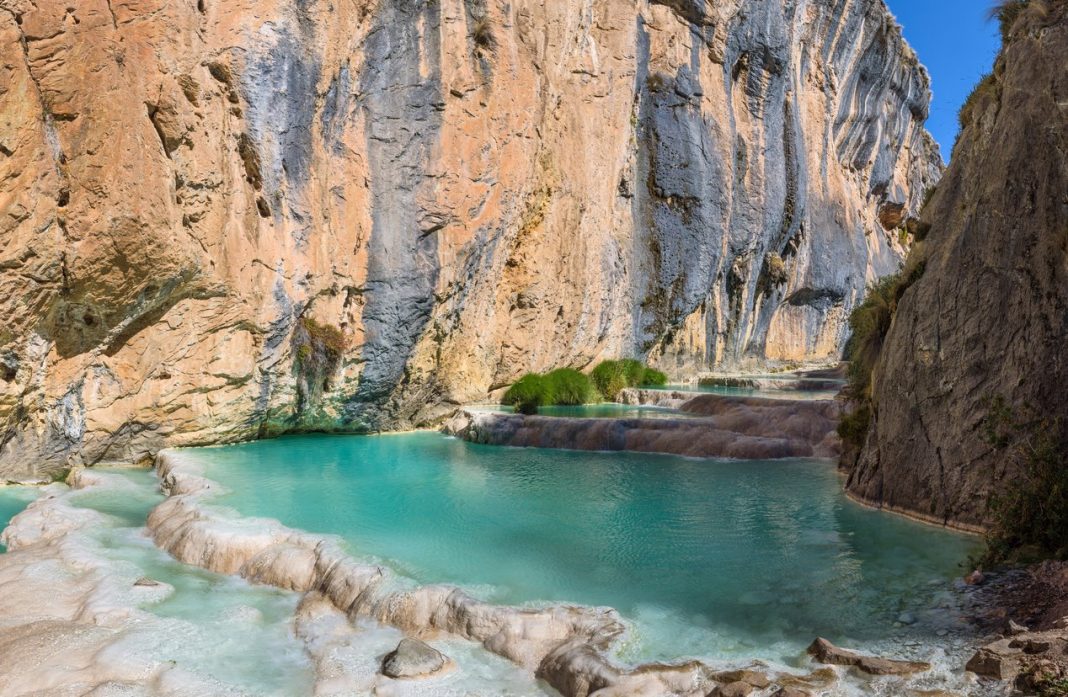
(869, 323)
(569, 387)
(1009, 12)
(319, 349)
(1030, 513)
(528, 393)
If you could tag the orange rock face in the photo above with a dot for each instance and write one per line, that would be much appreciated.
(461, 190)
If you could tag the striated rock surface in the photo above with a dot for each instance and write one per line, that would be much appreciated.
(989, 316)
(224, 220)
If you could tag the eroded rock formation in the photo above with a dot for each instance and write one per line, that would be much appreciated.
(221, 220)
(708, 426)
(988, 319)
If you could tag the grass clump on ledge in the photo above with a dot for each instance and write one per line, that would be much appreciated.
(563, 386)
(570, 387)
(609, 377)
(528, 393)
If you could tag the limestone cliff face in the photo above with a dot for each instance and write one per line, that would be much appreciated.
(989, 316)
(220, 220)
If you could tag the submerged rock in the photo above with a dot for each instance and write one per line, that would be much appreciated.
(413, 659)
(826, 652)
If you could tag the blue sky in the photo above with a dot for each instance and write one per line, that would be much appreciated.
(957, 44)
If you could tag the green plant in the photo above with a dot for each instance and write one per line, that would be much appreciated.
(633, 371)
(528, 393)
(928, 194)
(870, 321)
(986, 88)
(319, 349)
(869, 324)
(567, 386)
(1031, 511)
(330, 338)
(482, 35)
(1050, 686)
(853, 428)
(654, 377)
(1009, 12)
(609, 379)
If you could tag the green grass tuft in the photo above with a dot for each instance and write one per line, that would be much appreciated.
(569, 387)
(528, 393)
(612, 376)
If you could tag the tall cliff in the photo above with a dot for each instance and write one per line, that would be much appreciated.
(222, 220)
(987, 322)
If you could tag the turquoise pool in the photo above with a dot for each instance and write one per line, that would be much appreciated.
(13, 499)
(750, 391)
(705, 558)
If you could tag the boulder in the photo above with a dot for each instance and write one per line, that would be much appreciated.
(1016, 656)
(412, 659)
(751, 677)
(787, 691)
(734, 689)
(826, 652)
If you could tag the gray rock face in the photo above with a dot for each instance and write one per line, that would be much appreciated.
(464, 191)
(988, 318)
(412, 659)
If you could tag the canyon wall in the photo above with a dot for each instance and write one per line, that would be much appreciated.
(985, 328)
(220, 220)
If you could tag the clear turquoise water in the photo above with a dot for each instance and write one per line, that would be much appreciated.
(705, 558)
(220, 634)
(13, 499)
(235, 635)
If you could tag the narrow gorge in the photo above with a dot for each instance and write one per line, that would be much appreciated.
(568, 348)
(225, 221)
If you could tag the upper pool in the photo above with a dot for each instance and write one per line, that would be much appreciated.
(732, 391)
(718, 559)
